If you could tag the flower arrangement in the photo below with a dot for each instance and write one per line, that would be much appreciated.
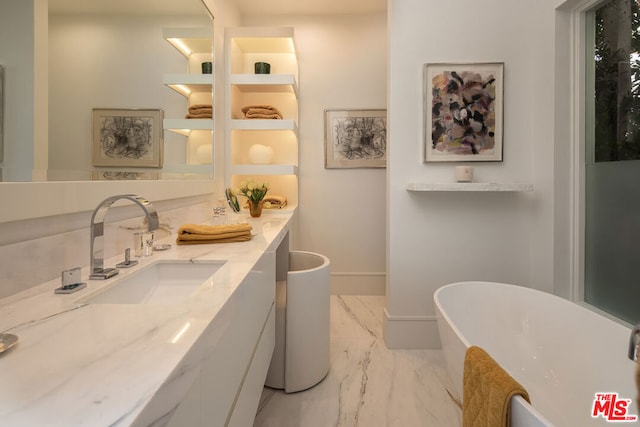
(253, 191)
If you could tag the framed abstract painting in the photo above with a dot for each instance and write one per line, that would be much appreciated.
(1, 114)
(128, 137)
(355, 138)
(463, 111)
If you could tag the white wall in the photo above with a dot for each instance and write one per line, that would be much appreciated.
(439, 238)
(225, 14)
(17, 56)
(342, 212)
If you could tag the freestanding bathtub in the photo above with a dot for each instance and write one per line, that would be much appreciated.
(562, 353)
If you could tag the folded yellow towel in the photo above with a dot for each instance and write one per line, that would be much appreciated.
(198, 116)
(201, 234)
(258, 116)
(195, 107)
(200, 111)
(487, 390)
(261, 111)
(272, 201)
(271, 108)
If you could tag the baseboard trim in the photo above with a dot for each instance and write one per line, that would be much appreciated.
(411, 332)
(358, 283)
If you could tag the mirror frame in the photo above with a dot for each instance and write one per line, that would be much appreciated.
(38, 199)
(28, 200)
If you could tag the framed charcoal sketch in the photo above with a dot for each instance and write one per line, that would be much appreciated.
(463, 110)
(355, 138)
(127, 137)
(1, 114)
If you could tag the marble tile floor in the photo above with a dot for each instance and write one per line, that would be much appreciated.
(368, 385)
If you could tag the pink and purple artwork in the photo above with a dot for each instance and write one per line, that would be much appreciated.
(463, 112)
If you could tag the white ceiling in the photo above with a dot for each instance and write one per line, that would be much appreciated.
(247, 7)
(156, 7)
(310, 7)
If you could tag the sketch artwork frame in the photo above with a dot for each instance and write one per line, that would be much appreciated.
(463, 112)
(1, 116)
(355, 138)
(128, 137)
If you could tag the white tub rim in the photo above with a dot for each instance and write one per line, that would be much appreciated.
(516, 399)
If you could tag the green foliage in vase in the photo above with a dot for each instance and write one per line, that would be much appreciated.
(253, 191)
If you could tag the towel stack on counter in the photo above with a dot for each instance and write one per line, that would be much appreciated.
(191, 234)
(271, 202)
(261, 112)
(200, 111)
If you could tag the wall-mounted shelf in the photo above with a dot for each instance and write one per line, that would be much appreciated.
(243, 48)
(190, 40)
(185, 126)
(196, 45)
(277, 40)
(265, 83)
(186, 84)
(285, 124)
(194, 170)
(470, 186)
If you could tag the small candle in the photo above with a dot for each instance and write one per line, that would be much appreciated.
(464, 173)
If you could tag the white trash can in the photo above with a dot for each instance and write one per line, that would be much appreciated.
(301, 355)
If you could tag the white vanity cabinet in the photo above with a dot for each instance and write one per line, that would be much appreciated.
(236, 354)
(199, 360)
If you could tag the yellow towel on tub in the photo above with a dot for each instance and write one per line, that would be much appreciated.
(487, 390)
(202, 233)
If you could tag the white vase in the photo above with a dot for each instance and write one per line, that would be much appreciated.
(204, 154)
(260, 154)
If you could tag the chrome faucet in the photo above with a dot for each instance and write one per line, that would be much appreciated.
(97, 231)
(634, 341)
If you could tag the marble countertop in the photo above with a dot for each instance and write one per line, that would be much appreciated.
(79, 364)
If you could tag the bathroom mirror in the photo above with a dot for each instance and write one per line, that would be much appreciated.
(107, 55)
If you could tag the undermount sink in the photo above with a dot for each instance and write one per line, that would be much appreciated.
(163, 282)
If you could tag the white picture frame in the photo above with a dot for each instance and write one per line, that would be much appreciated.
(463, 112)
(128, 137)
(355, 138)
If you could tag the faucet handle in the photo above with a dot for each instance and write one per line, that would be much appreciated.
(127, 263)
(634, 341)
(71, 281)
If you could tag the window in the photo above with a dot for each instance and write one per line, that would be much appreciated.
(612, 151)
(617, 81)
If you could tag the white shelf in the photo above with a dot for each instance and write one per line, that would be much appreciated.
(185, 126)
(196, 45)
(264, 124)
(243, 47)
(188, 169)
(265, 83)
(264, 169)
(263, 39)
(186, 84)
(470, 186)
(190, 40)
